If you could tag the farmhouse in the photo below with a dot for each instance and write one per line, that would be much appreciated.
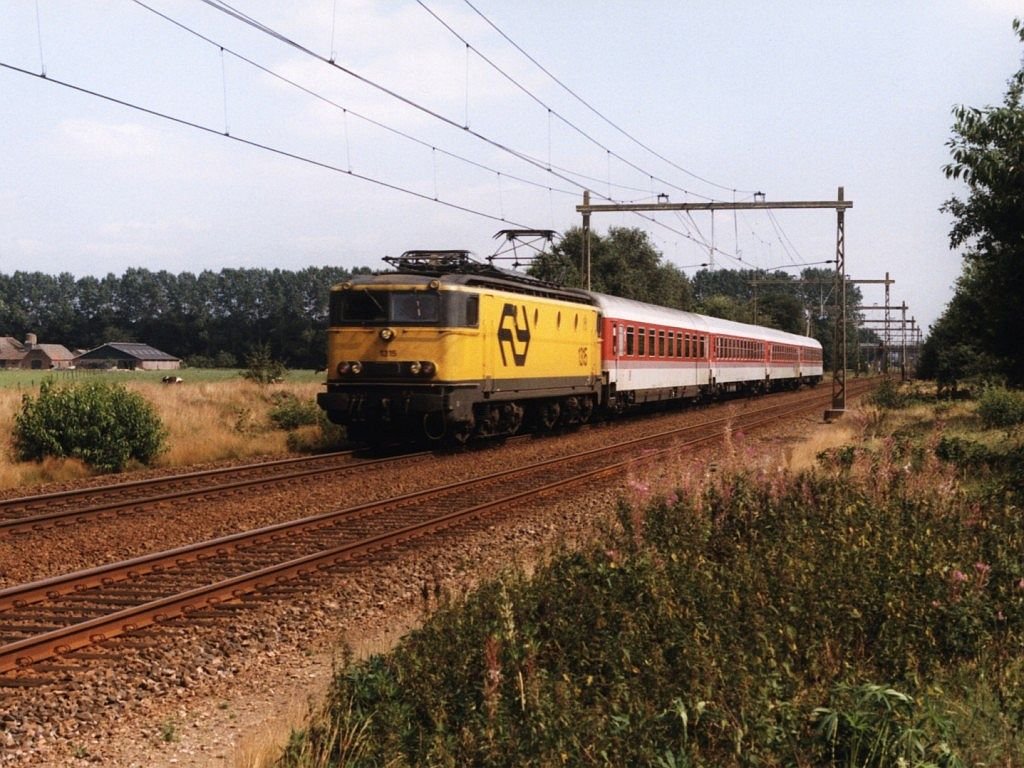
(43, 357)
(11, 352)
(128, 356)
(31, 355)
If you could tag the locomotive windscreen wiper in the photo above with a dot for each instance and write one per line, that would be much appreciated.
(373, 298)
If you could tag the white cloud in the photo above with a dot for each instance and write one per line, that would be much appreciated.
(109, 140)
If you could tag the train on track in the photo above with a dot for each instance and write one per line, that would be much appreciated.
(448, 348)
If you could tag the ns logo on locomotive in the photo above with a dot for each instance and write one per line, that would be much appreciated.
(448, 348)
(513, 336)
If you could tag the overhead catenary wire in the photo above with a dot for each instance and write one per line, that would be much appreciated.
(224, 7)
(227, 9)
(554, 113)
(346, 111)
(327, 165)
(781, 234)
(408, 101)
(258, 145)
(586, 104)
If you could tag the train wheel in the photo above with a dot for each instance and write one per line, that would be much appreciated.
(586, 409)
(549, 413)
(433, 426)
(460, 432)
(512, 418)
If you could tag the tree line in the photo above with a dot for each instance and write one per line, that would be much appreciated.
(209, 319)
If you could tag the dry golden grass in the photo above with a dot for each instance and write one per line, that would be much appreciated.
(804, 455)
(206, 421)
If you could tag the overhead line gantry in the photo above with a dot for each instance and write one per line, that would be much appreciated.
(840, 205)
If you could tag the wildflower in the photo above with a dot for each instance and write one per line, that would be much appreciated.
(1020, 584)
(958, 576)
(640, 490)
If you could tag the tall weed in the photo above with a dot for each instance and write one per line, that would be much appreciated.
(762, 620)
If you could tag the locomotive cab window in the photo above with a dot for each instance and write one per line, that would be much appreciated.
(415, 307)
(361, 306)
(358, 306)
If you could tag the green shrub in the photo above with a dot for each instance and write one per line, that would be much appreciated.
(1000, 407)
(873, 725)
(289, 412)
(104, 425)
(261, 367)
(889, 395)
(963, 453)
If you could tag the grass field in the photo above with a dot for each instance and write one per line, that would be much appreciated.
(29, 380)
(212, 415)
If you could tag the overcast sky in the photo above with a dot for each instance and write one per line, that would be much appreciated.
(694, 100)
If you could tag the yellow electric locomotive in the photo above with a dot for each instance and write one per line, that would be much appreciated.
(446, 347)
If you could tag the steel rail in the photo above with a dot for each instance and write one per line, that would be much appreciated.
(78, 514)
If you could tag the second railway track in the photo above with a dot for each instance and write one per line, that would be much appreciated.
(28, 513)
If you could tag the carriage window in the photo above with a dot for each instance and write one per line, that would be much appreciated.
(641, 342)
(650, 342)
(629, 339)
(615, 339)
(661, 343)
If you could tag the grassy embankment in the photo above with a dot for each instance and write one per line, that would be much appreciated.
(868, 612)
(213, 415)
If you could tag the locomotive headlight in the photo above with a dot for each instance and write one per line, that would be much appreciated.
(386, 334)
(343, 368)
(356, 367)
(427, 368)
(414, 368)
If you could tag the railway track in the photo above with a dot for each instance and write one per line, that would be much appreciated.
(207, 581)
(29, 513)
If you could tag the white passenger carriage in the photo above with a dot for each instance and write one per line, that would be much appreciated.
(652, 353)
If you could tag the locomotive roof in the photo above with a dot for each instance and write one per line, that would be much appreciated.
(638, 311)
(459, 268)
